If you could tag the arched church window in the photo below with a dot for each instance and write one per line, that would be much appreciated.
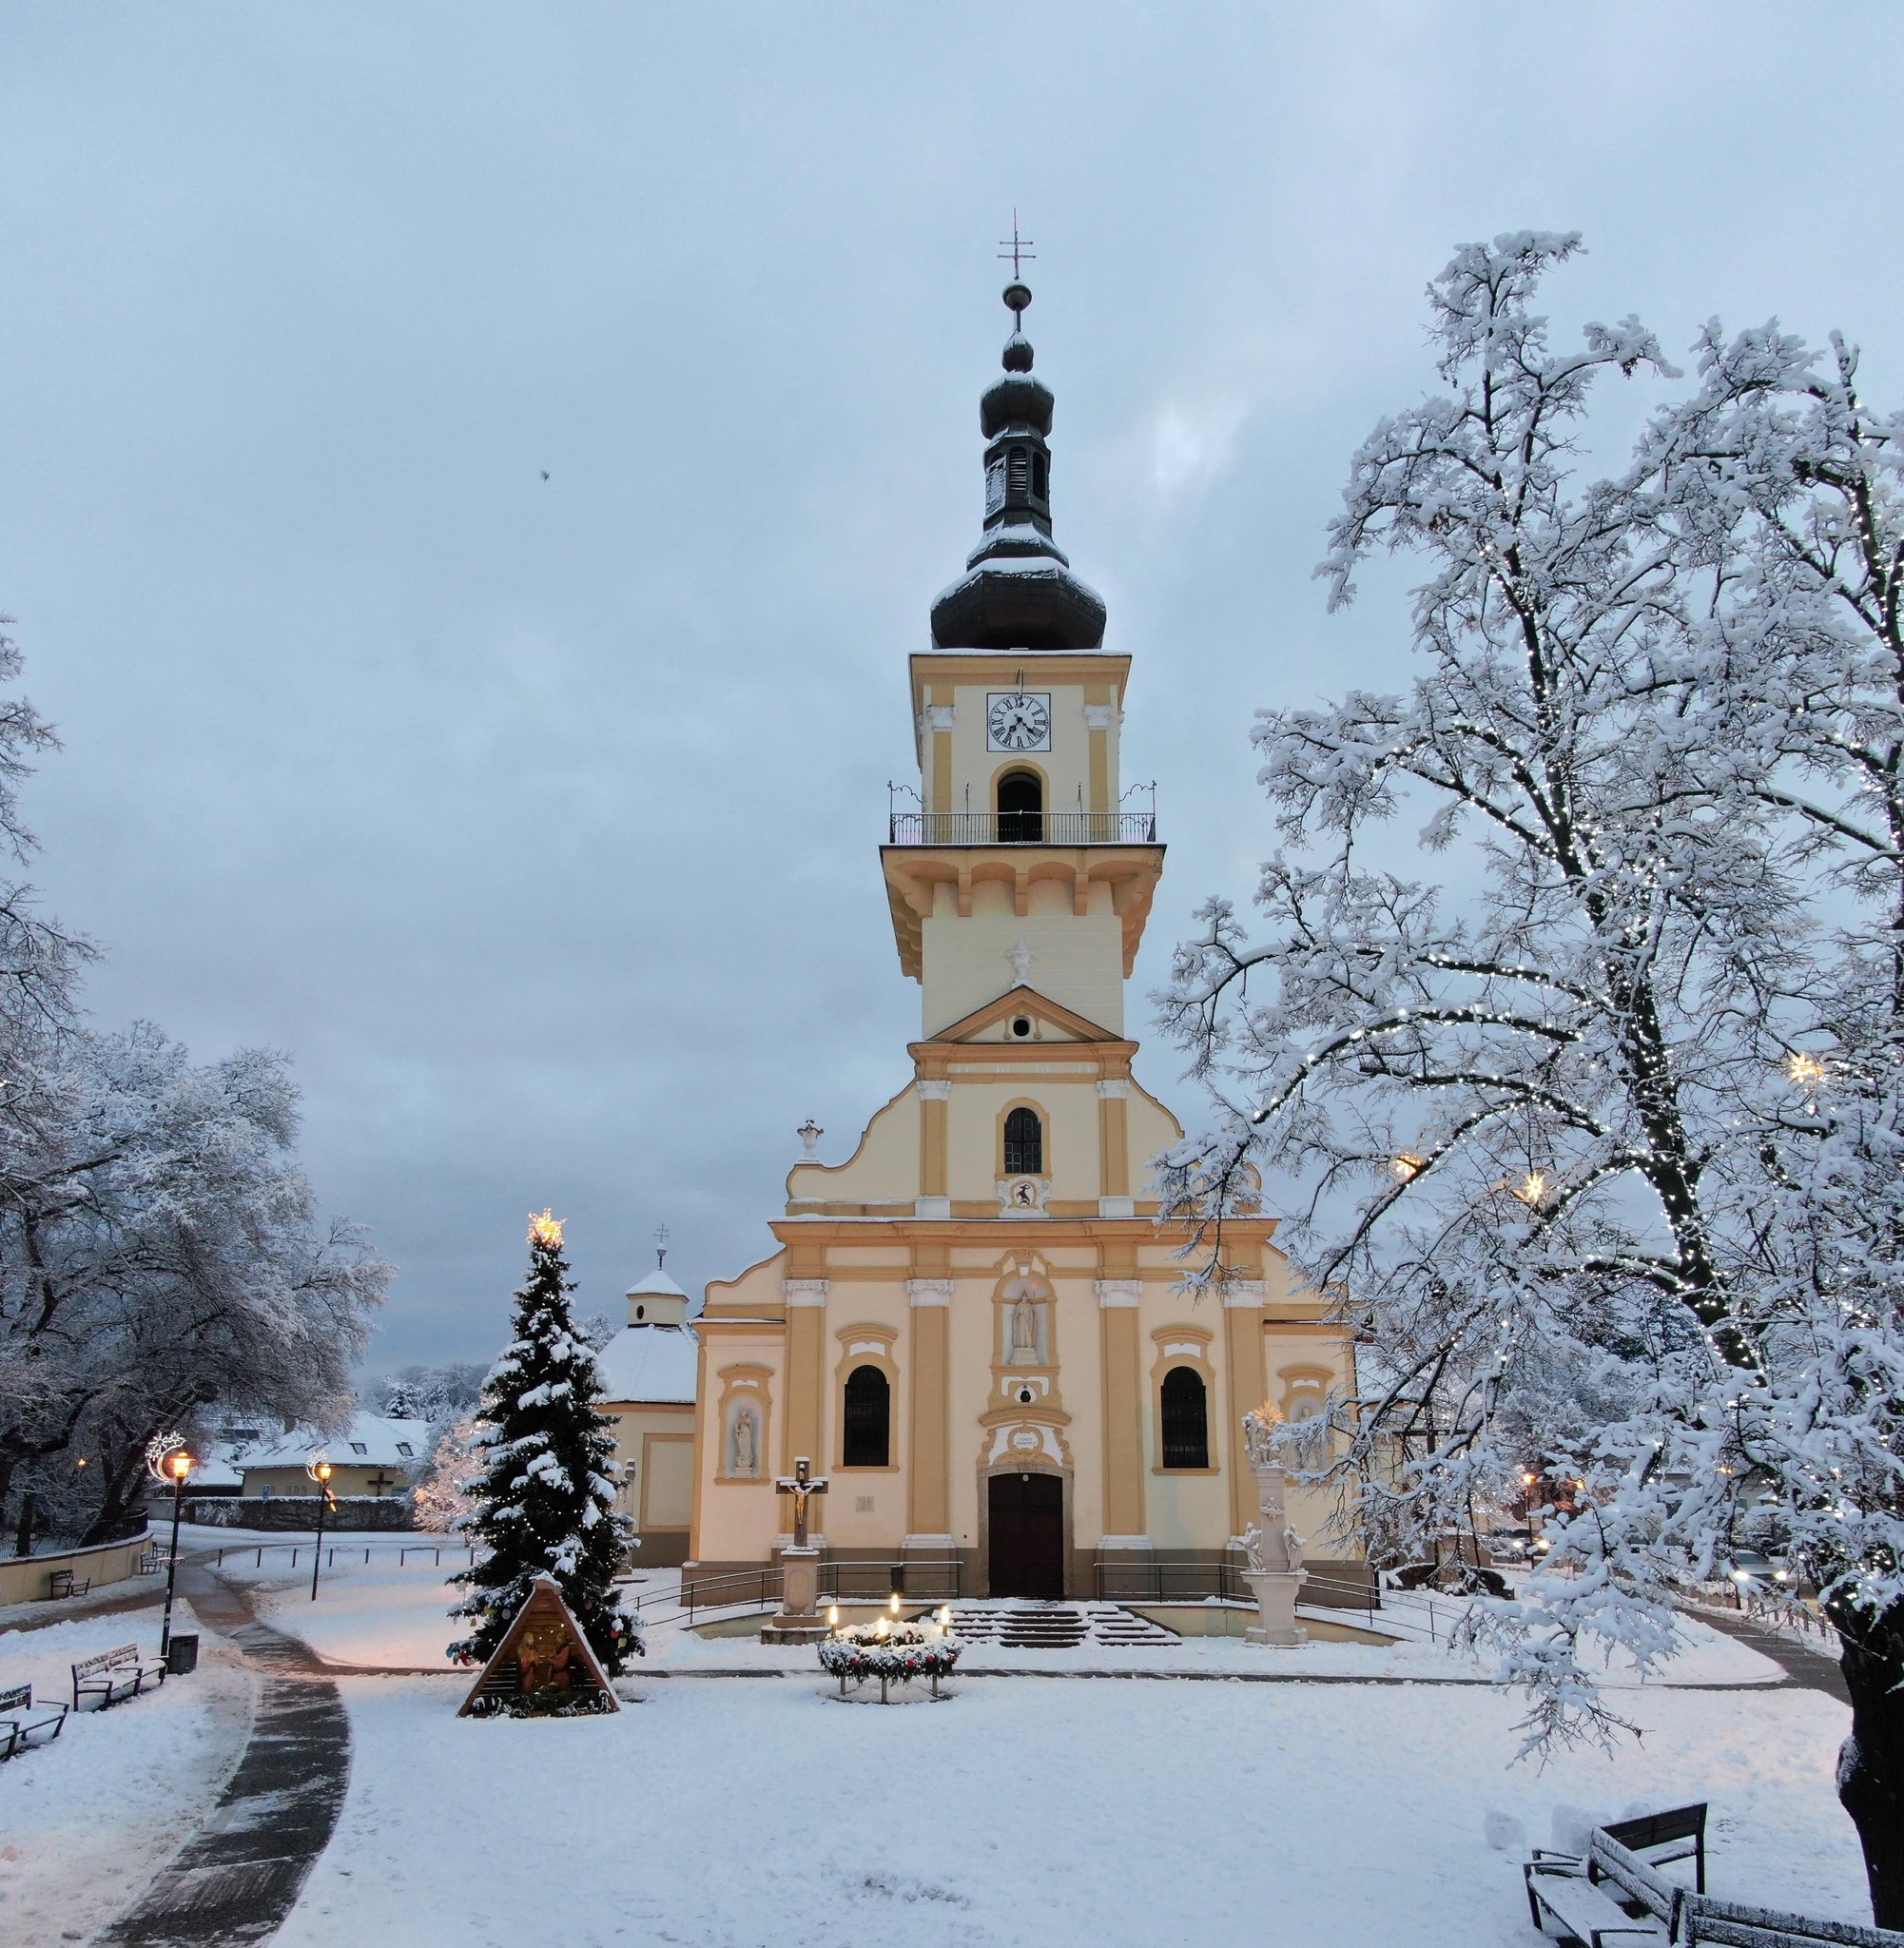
(1018, 473)
(1021, 808)
(867, 1432)
(1186, 1419)
(1040, 482)
(1024, 1144)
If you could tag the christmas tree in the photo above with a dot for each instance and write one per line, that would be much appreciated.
(545, 1500)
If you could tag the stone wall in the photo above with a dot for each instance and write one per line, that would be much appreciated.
(299, 1512)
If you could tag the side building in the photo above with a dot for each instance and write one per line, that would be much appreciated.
(648, 1371)
(972, 1327)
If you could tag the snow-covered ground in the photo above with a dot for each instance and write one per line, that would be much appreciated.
(87, 1819)
(1028, 1811)
(1025, 1809)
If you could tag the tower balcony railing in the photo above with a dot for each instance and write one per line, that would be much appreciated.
(1023, 828)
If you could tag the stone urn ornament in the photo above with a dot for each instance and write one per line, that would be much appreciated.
(1271, 1546)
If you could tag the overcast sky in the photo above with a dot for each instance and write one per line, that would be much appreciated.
(537, 819)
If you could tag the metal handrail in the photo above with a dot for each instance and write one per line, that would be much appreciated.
(916, 1581)
(1221, 1581)
(402, 1552)
(1023, 828)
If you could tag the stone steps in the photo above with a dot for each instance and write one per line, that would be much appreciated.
(1024, 1625)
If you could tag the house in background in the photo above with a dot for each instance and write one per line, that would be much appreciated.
(378, 1457)
(648, 1372)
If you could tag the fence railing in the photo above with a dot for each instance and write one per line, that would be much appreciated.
(1023, 828)
(841, 1581)
(1402, 1612)
(257, 1550)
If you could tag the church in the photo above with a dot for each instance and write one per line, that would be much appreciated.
(972, 1329)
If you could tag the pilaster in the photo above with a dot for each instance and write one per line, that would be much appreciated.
(1113, 1148)
(1246, 1373)
(1099, 712)
(1117, 1303)
(929, 1480)
(806, 1373)
(934, 1093)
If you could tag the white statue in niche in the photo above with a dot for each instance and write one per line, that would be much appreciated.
(743, 1443)
(1024, 1331)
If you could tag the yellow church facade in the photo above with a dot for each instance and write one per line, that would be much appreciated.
(974, 1328)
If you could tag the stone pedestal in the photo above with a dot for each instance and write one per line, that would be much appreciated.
(798, 1621)
(1276, 1591)
(1272, 1549)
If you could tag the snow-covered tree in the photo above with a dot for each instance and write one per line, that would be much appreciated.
(436, 1394)
(445, 1498)
(546, 1492)
(1604, 1149)
(160, 1252)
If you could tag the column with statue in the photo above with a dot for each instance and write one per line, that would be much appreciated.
(798, 1621)
(1272, 1547)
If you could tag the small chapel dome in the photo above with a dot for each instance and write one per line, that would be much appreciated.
(656, 1300)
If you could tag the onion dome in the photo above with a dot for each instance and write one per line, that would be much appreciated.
(1018, 592)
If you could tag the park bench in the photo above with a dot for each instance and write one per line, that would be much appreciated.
(1651, 1833)
(21, 1722)
(1616, 1893)
(112, 1675)
(60, 1583)
(1736, 1926)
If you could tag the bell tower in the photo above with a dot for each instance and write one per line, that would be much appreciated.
(1022, 866)
(973, 1323)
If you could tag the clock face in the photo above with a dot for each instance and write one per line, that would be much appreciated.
(1017, 720)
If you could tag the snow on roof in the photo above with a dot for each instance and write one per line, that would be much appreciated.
(659, 1283)
(374, 1440)
(650, 1363)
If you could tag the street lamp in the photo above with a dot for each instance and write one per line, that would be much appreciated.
(319, 1472)
(168, 1460)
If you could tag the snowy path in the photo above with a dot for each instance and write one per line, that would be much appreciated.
(236, 1879)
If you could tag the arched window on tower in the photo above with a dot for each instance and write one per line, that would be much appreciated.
(1024, 1144)
(1021, 808)
(868, 1433)
(1186, 1419)
(1041, 485)
(1017, 473)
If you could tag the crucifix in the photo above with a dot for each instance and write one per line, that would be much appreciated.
(803, 1485)
(379, 1481)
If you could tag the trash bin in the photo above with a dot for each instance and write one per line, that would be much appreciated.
(182, 1655)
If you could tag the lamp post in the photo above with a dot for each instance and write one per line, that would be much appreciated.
(319, 1472)
(174, 1466)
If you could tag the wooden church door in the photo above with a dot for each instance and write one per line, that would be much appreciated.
(1026, 1528)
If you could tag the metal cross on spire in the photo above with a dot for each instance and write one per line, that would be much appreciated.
(660, 1246)
(1016, 247)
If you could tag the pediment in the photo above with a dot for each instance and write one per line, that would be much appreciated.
(1054, 1022)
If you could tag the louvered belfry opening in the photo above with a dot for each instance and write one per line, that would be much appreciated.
(1024, 1144)
(1021, 808)
(868, 1433)
(1186, 1419)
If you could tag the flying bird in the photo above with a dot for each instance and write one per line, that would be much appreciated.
(545, 472)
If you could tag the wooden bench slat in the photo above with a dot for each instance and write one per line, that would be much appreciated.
(1586, 1914)
(1639, 1879)
(1738, 1926)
